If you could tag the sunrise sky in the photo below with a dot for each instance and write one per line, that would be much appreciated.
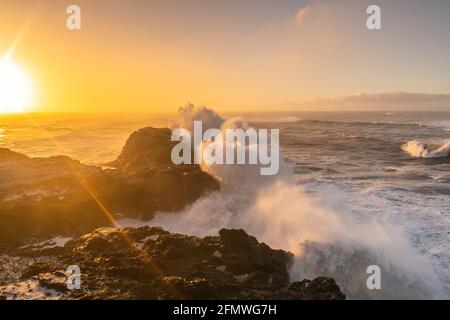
(156, 55)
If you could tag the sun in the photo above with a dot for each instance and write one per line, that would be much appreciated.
(15, 88)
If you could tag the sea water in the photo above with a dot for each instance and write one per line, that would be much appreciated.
(358, 189)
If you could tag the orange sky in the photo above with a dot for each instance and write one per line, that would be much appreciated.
(255, 55)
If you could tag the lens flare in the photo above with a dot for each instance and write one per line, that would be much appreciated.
(15, 88)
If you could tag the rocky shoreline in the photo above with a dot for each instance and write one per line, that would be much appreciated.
(150, 263)
(44, 202)
(43, 197)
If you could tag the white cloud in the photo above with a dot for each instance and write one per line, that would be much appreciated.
(413, 101)
(315, 10)
(303, 13)
(392, 97)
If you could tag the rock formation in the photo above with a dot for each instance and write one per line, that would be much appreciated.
(150, 263)
(40, 197)
(46, 201)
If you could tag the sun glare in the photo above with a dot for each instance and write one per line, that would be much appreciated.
(15, 88)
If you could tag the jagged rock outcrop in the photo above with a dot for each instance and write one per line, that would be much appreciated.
(40, 197)
(150, 263)
(146, 161)
(137, 156)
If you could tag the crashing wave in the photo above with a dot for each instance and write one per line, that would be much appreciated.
(421, 150)
(325, 238)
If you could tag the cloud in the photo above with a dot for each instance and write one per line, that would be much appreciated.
(316, 9)
(303, 13)
(391, 98)
(412, 101)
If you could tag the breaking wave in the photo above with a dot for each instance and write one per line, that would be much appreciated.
(421, 150)
(325, 237)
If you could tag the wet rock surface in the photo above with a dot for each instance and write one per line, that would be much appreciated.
(150, 263)
(40, 197)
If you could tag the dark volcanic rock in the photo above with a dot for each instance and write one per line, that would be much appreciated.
(146, 149)
(246, 251)
(40, 197)
(43, 197)
(150, 263)
(321, 288)
(146, 161)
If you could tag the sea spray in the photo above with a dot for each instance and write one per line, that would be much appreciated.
(421, 150)
(326, 239)
(227, 146)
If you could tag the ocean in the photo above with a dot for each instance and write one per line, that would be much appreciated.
(356, 189)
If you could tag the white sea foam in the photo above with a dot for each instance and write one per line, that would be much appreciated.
(325, 238)
(422, 150)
